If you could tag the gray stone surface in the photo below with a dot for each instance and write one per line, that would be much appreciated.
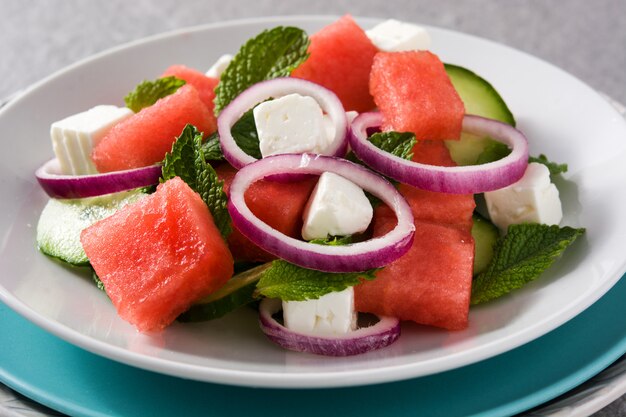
(585, 37)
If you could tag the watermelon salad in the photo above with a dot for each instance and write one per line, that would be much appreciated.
(340, 183)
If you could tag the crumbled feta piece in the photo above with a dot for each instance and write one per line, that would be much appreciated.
(337, 207)
(74, 137)
(220, 65)
(331, 313)
(291, 124)
(395, 36)
(532, 199)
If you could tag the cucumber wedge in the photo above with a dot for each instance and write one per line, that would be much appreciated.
(61, 221)
(237, 292)
(479, 98)
(485, 235)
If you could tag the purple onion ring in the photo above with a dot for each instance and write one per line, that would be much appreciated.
(373, 253)
(470, 179)
(383, 333)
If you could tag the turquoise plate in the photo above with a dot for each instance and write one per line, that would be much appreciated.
(76, 382)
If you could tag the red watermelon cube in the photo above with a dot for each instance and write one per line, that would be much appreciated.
(144, 138)
(158, 256)
(431, 284)
(340, 59)
(414, 94)
(205, 85)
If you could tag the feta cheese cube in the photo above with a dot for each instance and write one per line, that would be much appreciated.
(532, 199)
(74, 137)
(395, 36)
(331, 313)
(337, 207)
(291, 124)
(220, 65)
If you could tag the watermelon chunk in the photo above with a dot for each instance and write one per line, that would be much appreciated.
(279, 204)
(205, 86)
(159, 255)
(414, 94)
(144, 138)
(431, 283)
(340, 59)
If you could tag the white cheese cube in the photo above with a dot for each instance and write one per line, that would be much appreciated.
(336, 207)
(220, 65)
(532, 199)
(331, 313)
(395, 36)
(74, 137)
(291, 124)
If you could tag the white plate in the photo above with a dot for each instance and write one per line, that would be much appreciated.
(562, 117)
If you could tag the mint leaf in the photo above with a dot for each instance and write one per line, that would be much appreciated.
(333, 240)
(211, 148)
(245, 134)
(271, 54)
(148, 92)
(521, 256)
(293, 283)
(399, 144)
(554, 168)
(187, 161)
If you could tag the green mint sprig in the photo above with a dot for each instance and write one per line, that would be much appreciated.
(555, 168)
(245, 134)
(271, 54)
(520, 257)
(333, 240)
(187, 161)
(148, 92)
(399, 144)
(290, 282)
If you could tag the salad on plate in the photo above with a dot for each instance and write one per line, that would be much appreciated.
(340, 183)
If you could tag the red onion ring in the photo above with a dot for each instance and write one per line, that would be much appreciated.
(58, 185)
(276, 88)
(471, 179)
(362, 340)
(361, 256)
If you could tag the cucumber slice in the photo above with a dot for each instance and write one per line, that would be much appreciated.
(485, 236)
(61, 221)
(479, 98)
(237, 292)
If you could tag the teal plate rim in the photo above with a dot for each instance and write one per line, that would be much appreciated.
(80, 383)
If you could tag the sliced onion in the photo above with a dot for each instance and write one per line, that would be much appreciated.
(383, 333)
(58, 185)
(469, 179)
(361, 256)
(276, 88)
